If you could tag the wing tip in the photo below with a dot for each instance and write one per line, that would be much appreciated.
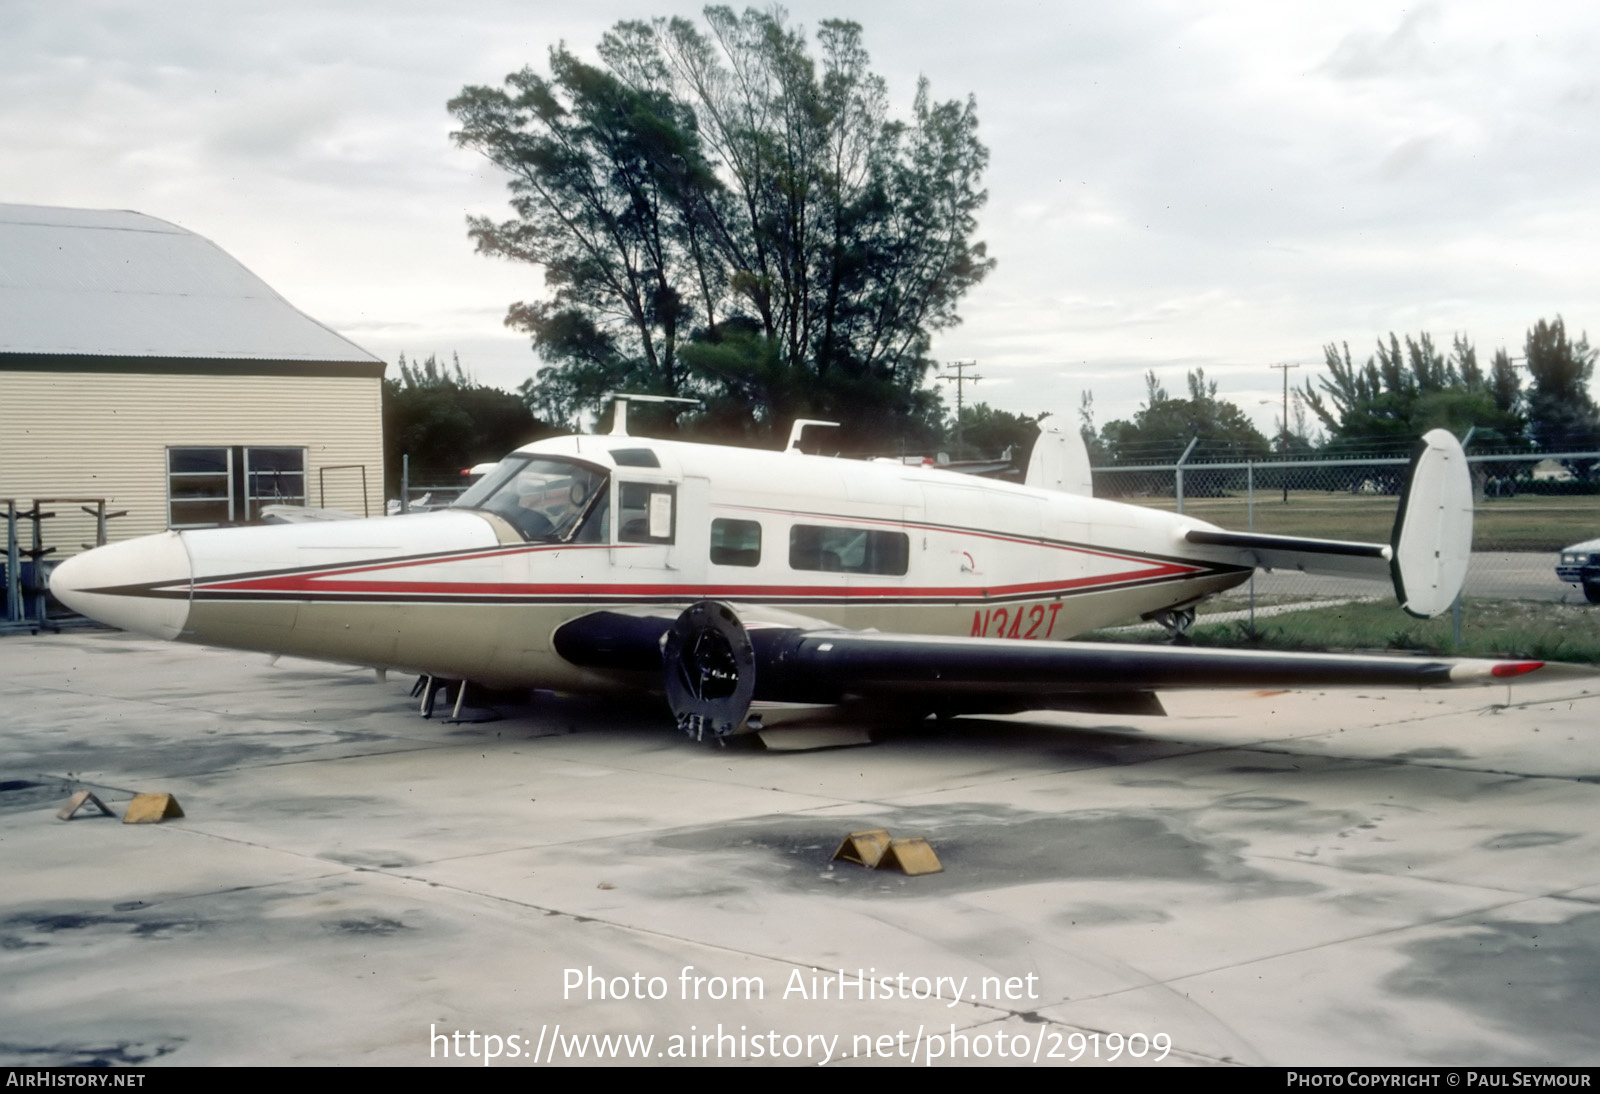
(1474, 672)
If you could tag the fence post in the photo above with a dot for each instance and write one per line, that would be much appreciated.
(405, 483)
(1178, 471)
(1250, 508)
(1455, 608)
(13, 566)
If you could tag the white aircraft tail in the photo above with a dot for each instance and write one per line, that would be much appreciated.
(1432, 538)
(1060, 462)
(1428, 550)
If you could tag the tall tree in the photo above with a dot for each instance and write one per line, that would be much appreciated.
(1086, 429)
(720, 213)
(1561, 413)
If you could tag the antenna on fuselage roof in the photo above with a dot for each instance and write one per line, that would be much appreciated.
(799, 427)
(619, 417)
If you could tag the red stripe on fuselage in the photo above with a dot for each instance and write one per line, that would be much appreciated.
(302, 584)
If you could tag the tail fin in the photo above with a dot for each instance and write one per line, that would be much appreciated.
(1060, 462)
(1432, 537)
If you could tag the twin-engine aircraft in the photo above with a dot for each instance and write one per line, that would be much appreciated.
(762, 589)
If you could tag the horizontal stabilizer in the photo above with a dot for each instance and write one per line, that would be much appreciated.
(1428, 550)
(1311, 556)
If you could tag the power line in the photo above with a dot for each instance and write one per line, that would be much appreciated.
(961, 380)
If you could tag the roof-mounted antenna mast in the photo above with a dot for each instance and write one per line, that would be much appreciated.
(799, 427)
(619, 418)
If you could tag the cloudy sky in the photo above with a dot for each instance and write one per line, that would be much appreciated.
(1171, 184)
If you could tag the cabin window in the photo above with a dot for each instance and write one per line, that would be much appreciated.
(546, 500)
(646, 512)
(212, 485)
(848, 550)
(735, 542)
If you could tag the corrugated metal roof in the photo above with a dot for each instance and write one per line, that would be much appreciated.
(118, 283)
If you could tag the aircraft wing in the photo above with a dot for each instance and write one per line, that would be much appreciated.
(714, 666)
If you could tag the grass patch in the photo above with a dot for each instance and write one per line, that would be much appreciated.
(1535, 524)
(1489, 628)
(1237, 600)
(1530, 522)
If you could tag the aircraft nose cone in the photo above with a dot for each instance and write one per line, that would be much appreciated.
(141, 585)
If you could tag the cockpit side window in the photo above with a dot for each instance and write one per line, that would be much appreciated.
(596, 527)
(648, 512)
(546, 500)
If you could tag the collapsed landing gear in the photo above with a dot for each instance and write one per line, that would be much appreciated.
(1176, 622)
(429, 688)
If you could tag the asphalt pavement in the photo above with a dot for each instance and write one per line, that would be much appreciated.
(1507, 575)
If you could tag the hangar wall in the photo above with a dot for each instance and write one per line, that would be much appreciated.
(92, 435)
(143, 364)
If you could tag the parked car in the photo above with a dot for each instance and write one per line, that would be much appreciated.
(1580, 564)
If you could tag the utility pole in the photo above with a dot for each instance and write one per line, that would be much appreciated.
(961, 380)
(1285, 443)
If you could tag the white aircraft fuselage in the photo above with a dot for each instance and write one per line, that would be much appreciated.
(744, 584)
(463, 593)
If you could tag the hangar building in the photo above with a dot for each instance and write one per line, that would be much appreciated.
(142, 364)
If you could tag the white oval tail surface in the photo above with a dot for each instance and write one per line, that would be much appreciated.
(1432, 536)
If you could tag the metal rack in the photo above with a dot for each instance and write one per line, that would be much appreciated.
(27, 573)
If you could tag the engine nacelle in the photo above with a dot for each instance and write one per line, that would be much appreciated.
(709, 669)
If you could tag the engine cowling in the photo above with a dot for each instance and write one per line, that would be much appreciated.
(709, 670)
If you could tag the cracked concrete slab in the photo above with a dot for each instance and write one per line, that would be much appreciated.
(1261, 878)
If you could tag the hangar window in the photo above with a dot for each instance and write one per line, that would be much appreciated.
(212, 485)
(735, 542)
(273, 476)
(848, 550)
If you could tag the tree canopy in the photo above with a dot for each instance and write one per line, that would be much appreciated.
(1163, 427)
(987, 431)
(1561, 413)
(721, 214)
(446, 422)
(1382, 407)
(1404, 390)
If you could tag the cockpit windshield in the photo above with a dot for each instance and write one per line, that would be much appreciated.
(545, 499)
